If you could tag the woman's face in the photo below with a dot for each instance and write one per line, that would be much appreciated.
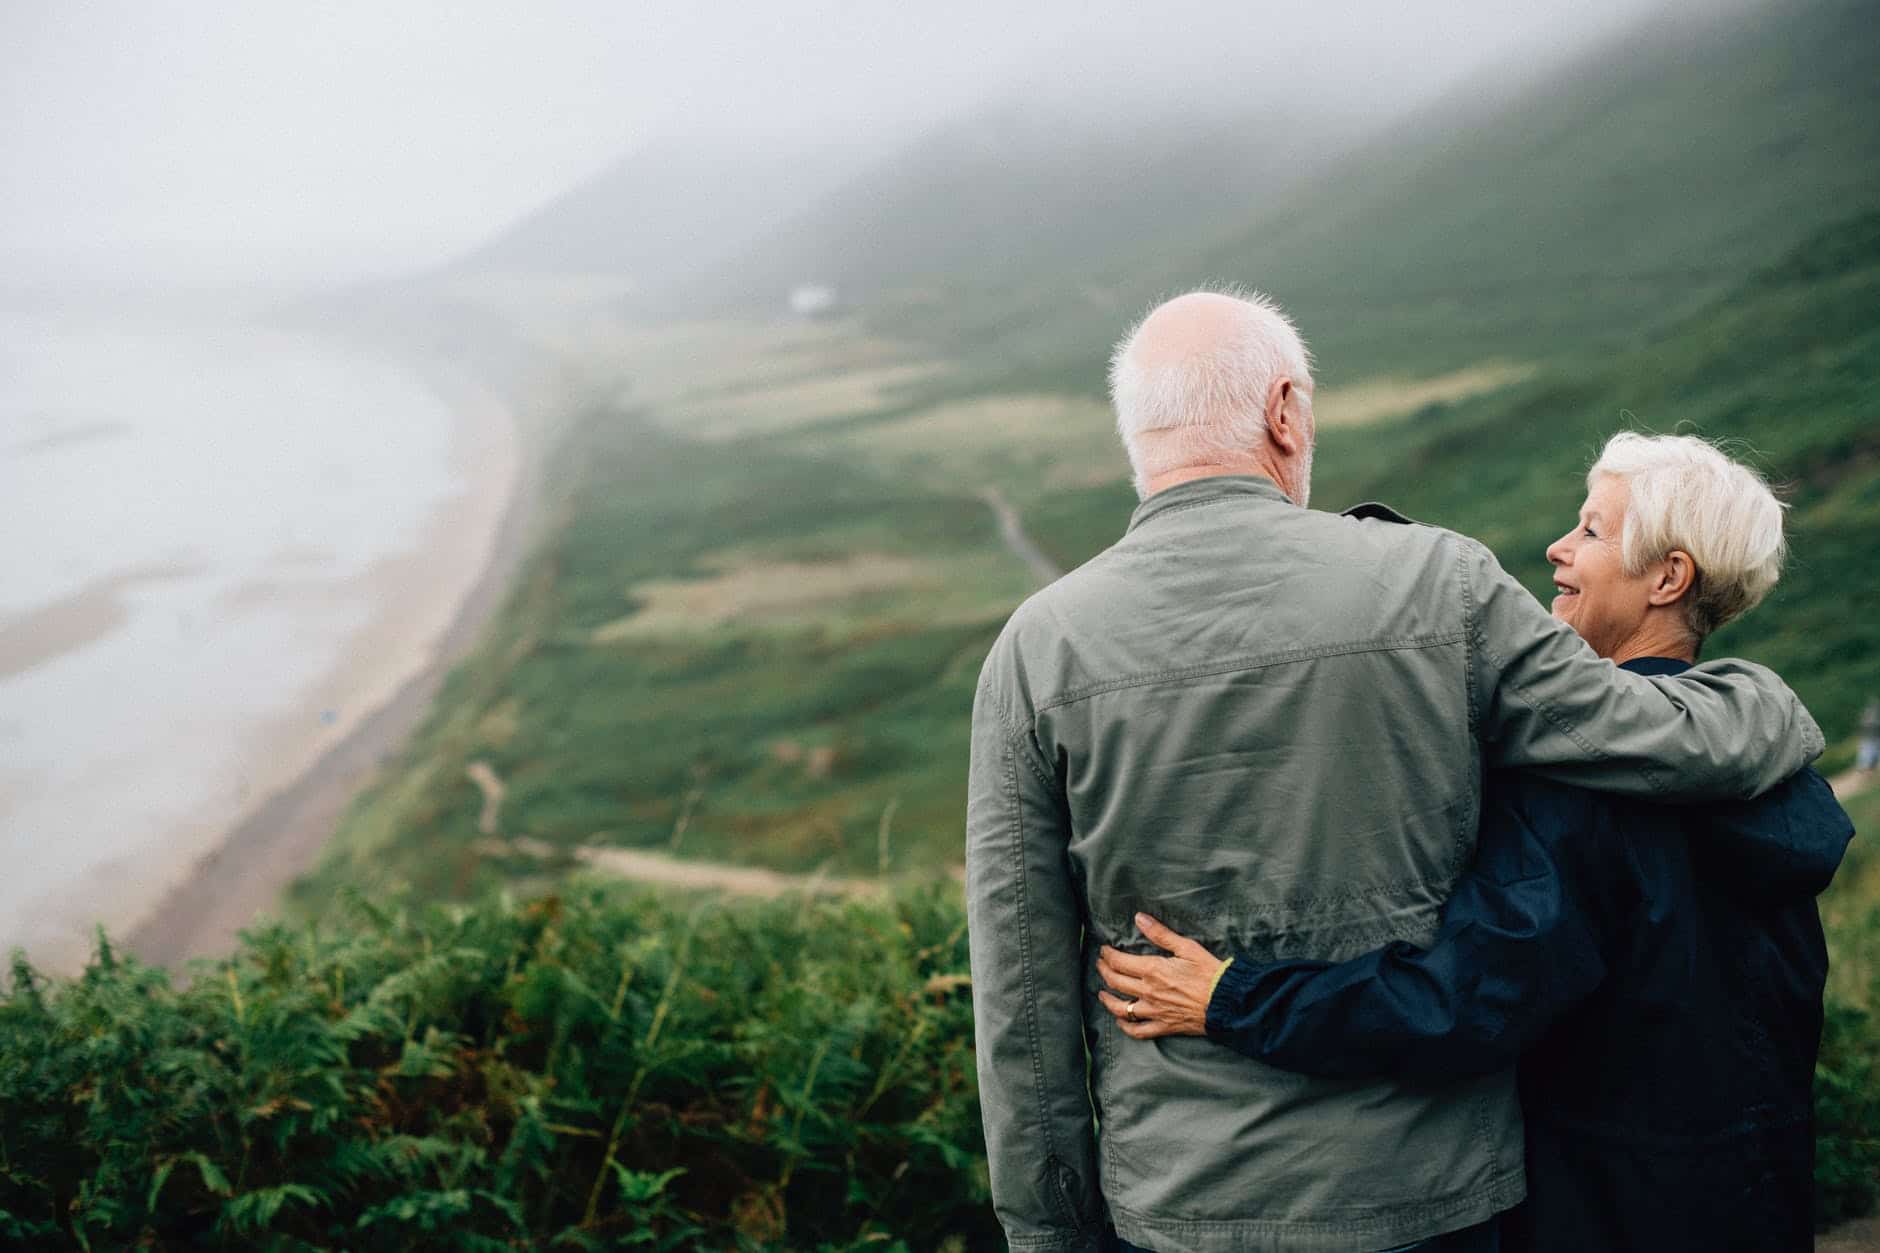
(1595, 595)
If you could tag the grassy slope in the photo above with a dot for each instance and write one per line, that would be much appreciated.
(797, 729)
(1789, 363)
(798, 725)
(1571, 214)
(1634, 188)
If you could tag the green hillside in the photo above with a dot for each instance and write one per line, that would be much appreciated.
(1018, 195)
(1516, 218)
(1626, 192)
(1787, 365)
(660, 213)
(762, 651)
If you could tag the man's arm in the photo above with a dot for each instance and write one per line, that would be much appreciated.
(1024, 929)
(1525, 937)
(1542, 699)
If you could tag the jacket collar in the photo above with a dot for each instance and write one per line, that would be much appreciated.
(1208, 487)
(1655, 665)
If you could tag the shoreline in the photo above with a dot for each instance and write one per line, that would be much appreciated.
(280, 835)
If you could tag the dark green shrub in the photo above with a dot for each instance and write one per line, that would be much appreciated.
(592, 1071)
(596, 1070)
(1847, 1076)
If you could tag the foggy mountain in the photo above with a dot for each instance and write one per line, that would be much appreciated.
(1581, 199)
(1638, 183)
(1020, 194)
(663, 212)
(1011, 194)
(1629, 185)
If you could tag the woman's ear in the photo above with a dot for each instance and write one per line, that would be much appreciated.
(1676, 573)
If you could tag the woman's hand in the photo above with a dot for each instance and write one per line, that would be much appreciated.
(1159, 995)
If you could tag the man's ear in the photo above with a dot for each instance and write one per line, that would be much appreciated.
(1283, 426)
(1676, 573)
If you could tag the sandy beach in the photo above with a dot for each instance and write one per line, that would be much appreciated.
(428, 606)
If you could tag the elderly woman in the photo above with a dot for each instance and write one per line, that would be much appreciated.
(1656, 970)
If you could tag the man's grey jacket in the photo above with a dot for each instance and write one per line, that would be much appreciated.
(1267, 727)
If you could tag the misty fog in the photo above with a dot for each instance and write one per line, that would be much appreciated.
(227, 142)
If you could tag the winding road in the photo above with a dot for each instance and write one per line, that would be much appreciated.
(1013, 533)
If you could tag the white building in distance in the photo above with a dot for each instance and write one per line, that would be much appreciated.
(810, 300)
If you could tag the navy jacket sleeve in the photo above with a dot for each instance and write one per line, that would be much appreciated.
(1526, 935)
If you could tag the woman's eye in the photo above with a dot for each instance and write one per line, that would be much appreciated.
(1588, 532)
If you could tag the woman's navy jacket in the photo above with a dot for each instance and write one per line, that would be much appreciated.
(1656, 969)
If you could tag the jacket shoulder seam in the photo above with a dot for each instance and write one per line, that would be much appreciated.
(1252, 661)
(1178, 507)
(1469, 627)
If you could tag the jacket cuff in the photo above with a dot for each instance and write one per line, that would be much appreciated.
(1218, 972)
(1226, 1003)
(1102, 1240)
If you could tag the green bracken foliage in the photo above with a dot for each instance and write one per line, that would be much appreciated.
(589, 1071)
(593, 1070)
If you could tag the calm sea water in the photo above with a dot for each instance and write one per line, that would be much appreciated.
(183, 518)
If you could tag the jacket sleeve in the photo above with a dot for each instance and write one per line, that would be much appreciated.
(1024, 930)
(1524, 938)
(1541, 698)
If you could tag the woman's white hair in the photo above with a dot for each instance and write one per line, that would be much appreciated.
(1215, 398)
(1685, 494)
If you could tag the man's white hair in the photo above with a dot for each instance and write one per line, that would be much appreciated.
(1686, 494)
(1215, 398)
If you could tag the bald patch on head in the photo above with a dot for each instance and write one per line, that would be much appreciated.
(1186, 328)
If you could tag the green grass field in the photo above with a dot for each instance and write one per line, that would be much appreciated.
(785, 626)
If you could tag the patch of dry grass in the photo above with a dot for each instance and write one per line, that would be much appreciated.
(820, 395)
(721, 380)
(770, 592)
(1016, 439)
(1376, 399)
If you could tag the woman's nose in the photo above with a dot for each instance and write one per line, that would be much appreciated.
(1557, 551)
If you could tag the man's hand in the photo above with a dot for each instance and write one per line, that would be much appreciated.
(1159, 995)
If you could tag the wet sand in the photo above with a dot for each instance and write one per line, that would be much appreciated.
(453, 580)
(71, 622)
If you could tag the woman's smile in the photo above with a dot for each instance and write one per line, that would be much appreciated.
(1593, 594)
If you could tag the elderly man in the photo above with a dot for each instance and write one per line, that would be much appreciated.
(1267, 727)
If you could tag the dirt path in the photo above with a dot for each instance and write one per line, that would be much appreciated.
(1013, 533)
(1848, 782)
(483, 775)
(665, 870)
(1860, 1236)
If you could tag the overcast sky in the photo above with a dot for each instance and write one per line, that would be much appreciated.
(228, 139)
